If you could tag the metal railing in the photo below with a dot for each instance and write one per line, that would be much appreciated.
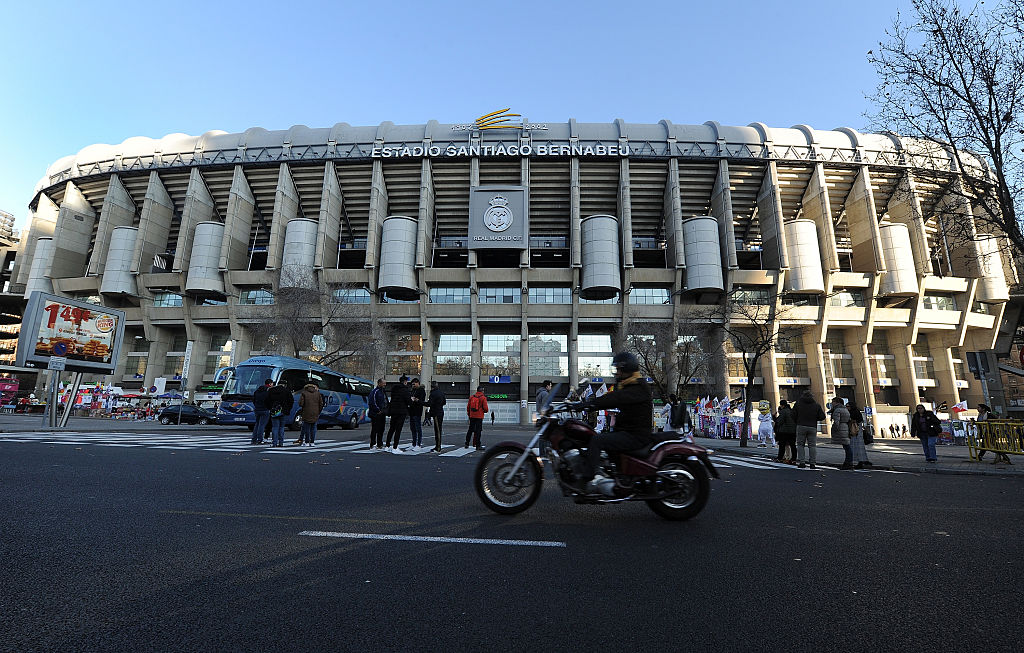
(996, 435)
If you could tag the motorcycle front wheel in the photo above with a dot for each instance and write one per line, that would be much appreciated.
(507, 496)
(693, 495)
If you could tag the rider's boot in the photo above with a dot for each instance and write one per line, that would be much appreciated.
(601, 484)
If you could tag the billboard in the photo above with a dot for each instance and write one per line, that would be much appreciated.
(88, 336)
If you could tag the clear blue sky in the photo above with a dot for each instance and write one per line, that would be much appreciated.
(78, 73)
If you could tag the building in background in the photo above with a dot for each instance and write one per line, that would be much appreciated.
(504, 255)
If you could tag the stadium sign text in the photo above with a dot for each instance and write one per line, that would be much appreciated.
(434, 151)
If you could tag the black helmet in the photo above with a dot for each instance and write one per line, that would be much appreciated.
(625, 363)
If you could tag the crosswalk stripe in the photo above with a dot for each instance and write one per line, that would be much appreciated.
(457, 453)
(743, 463)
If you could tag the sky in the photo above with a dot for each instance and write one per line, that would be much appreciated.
(73, 74)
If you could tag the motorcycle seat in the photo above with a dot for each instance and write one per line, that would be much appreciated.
(642, 452)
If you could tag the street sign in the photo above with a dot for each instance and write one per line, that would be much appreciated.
(867, 411)
(187, 362)
(499, 379)
(56, 363)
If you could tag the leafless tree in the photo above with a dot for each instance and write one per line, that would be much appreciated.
(313, 319)
(954, 78)
(674, 354)
(751, 328)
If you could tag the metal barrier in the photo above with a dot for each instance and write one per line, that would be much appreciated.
(996, 435)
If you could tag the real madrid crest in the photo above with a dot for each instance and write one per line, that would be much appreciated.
(498, 217)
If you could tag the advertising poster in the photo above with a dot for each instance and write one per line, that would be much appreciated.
(76, 333)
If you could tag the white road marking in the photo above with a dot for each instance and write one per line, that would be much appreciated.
(425, 538)
(741, 463)
(458, 453)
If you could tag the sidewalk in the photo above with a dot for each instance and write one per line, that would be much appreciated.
(904, 455)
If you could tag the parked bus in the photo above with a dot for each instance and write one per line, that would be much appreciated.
(345, 396)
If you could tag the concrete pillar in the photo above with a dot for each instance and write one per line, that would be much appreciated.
(286, 208)
(863, 225)
(329, 227)
(816, 207)
(71, 234)
(118, 210)
(154, 225)
(199, 207)
(769, 217)
(234, 252)
(625, 216)
(425, 218)
(378, 211)
(905, 206)
(44, 220)
(574, 214)
(721, 208)
(673, 217)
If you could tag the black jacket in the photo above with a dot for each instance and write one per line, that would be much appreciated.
(280, 395)
(636, 409)
(377, 402)
(437, 402)
(932, 425)
(399, 405)
(785, 423)
(259, 398)
(416, 407)
(807, 412)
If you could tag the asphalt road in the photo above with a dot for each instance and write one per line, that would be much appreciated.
(110, 547)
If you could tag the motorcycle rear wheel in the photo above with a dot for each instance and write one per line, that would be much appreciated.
(519, 493)
(693, 496)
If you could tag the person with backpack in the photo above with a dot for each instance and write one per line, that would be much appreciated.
(785, 432)
(476, 409)
(262, 411)
(398, 408)
(311, 404)
(437, 402)
(927, 427)
(280, 402)
(377, 409)
(807, 414)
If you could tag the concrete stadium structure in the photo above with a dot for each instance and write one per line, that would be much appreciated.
(519, 251)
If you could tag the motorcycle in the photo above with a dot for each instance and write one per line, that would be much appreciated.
(672, 476)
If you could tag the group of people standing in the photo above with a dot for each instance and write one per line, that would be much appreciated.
(796, 428)
(272, 404)
(406, 402)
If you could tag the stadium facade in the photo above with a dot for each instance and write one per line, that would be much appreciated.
(516, 252)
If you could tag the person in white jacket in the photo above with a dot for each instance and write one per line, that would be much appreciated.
(765, 431)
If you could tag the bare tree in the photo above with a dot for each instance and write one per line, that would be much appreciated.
(750, 324)
(673, 354)
(317, 320)
(954, 78)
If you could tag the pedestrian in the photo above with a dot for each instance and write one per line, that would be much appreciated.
(668, 411)
(476, 408)
(785, 429)
(311, 403)
(857, 429)
(840, 431)
(807, 413)
(542, 399)
(984, 415)
(377, 409)
(765, 430)
(925, 426)
(259, 407)
(904, 430)
(437, 403)
(418, 397)
(492, 418)
(280, 402)
(398, 408)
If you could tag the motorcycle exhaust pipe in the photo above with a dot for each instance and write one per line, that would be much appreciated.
(675, 475)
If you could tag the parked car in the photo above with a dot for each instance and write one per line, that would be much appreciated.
(189, 415)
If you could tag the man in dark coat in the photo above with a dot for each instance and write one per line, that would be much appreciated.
(437, 402)
(259, 406)
(418, 397)
(398, 408)
(632, 396)
(926, 426)
(280, 403)
(377, 409)
(807, 413)
(785, 432)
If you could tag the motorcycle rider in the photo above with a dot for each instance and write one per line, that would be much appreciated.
(632, 396)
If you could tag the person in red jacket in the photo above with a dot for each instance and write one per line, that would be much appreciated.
(476, 409)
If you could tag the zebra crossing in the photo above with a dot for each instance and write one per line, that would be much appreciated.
(220, 443)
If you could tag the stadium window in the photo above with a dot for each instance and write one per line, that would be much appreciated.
(449, 295)
(350, 296)
(755, 296)
(549, 295)
(502, 295)
(649, 296)
(256, 298)
(167, 300)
